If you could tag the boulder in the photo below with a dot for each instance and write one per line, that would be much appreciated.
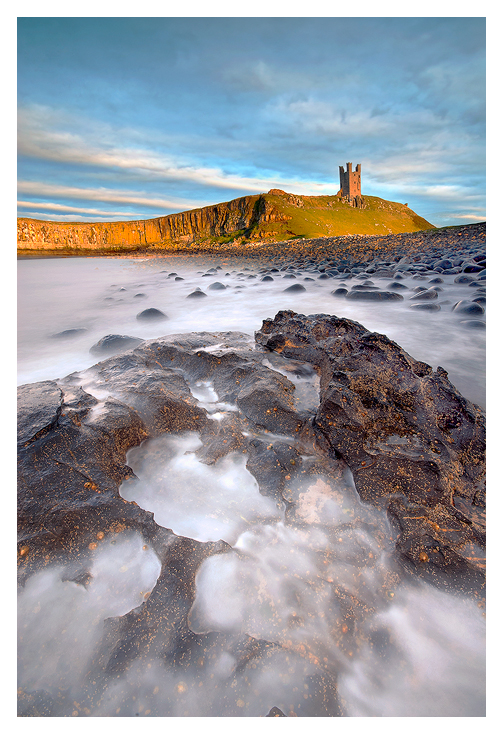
(114, 343)
(38, 409)
(198, 294)
(427, 295)
(468, 307)
(295, 288)
(425, 306)
(151, 315)
(69, 333)
(463, 279)
(367, 295)
(396, 286)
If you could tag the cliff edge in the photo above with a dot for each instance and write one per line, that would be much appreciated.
(275, 216)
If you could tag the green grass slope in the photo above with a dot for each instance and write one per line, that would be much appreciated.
(292, 216)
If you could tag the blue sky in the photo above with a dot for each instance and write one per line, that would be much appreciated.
(133, 118)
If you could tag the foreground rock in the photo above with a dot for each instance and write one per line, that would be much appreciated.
(356, 414)
(413, 443)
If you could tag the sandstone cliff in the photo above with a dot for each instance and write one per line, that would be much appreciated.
(273, 216)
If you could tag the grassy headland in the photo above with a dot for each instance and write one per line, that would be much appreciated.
(275, 217)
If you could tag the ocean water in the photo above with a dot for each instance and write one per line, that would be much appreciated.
(104, 295)
(351, 635)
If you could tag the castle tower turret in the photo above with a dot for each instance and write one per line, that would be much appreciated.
(350, 184)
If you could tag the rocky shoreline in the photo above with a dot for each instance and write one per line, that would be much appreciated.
(325, 412)
(354, 248)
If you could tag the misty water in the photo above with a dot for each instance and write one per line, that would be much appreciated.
(414, 651)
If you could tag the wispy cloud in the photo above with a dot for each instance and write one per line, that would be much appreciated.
(40, 138)
(55, 208)
(471, 216)
(55, 217)
(41, 189)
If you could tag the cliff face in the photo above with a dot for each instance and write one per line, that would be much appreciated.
(184, 227)
(273, 216)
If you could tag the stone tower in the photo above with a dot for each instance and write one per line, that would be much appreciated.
(350, 184)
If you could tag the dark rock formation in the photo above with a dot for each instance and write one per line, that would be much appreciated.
(413, 443)
(70, 467)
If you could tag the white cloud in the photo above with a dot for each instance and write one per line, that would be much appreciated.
(33, 214)
(53, 207)
(40, 136)
(477, 215)
(40, 189)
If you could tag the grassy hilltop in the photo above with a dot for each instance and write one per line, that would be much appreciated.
(295, 216)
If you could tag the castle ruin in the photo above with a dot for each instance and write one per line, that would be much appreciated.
(350, 185)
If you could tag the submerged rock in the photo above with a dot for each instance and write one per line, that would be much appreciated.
(296, 288)
(114, 343)
(468, 307)
(339, 292)
(198, 294)
(426, 306)
(367, 295)
(69, 333)
(396, 286)
(151, 315)
(473, 323)
(427, 295)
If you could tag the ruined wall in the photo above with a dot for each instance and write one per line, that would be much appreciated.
(350, 183)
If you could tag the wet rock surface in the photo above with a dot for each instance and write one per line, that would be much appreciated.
(332, 421)
(413, 443)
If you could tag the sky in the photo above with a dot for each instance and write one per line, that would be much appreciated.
(124, 118)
